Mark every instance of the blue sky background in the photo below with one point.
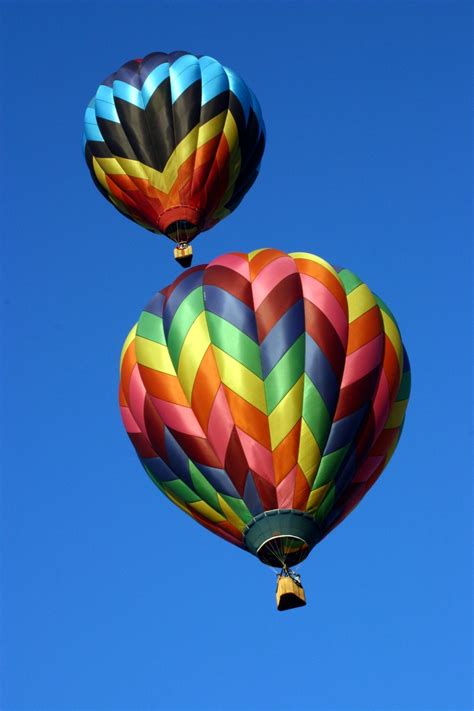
(112, 599)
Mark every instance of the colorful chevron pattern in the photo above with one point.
(174, 141)
(264, 382)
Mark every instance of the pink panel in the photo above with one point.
(128, 421)
(381, 406)
(367, 468)
(177, 417)
(286, 490)
(259, 458)
(325, 300)
(270, 276)
(237, 262)
(220, 425)
(136, 399)
(363, 360)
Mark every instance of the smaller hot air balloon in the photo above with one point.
(174, 141)
(264, 394)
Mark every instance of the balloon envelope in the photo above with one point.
(174, 141)
(265, 394)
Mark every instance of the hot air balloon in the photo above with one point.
(174, 141)
(264, 395)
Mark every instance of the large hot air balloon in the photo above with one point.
(265, 394)
(174, 141)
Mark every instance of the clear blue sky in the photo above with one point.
(114, 600)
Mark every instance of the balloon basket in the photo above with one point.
(289, 593)
(183, 255)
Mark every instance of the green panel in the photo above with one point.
(329, 466)
(326, 505)
(181, 491)
(349, 280)
(383, 307)
(183, 319)
(239, 507)
(151, 327)
(202, 487)
(315, 413)
(285, 374)
(234, 342)
(405, 386)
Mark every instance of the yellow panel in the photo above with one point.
(153, 355)
(314, 258)
(359, 301)
(230, 514)
(192, 352)
(253, 254)
(394, 335)
(164, 181)
(128, 340)
(286, 414)
(309, 454)
(397, 413)
(206, 511)
(317, 496)
(176, 501)
(240, 379)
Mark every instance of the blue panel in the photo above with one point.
(240, 90)
(231, 309)
(347, 473)
(192, 280)
(184, 72)
(129, 73)
(321, 374)
(153, 81)
(157, 468)
(214, 79)
(343, 431)
(150, 63)
(251, 497)
(178, 462)
(282, 336)
(128, 93)
(331, 517)
(219, 479)
(155, 306)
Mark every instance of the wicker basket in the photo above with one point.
(289, 594)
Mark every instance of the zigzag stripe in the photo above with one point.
(174, 138)
(264, 381)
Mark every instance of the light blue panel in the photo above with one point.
(89, 116)
(105, 93)
(153, 81)
(214, 79)
(240, 89)
(105, 109)
(92, 132)
(184, 72)
(124, 91)
(205, 61)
